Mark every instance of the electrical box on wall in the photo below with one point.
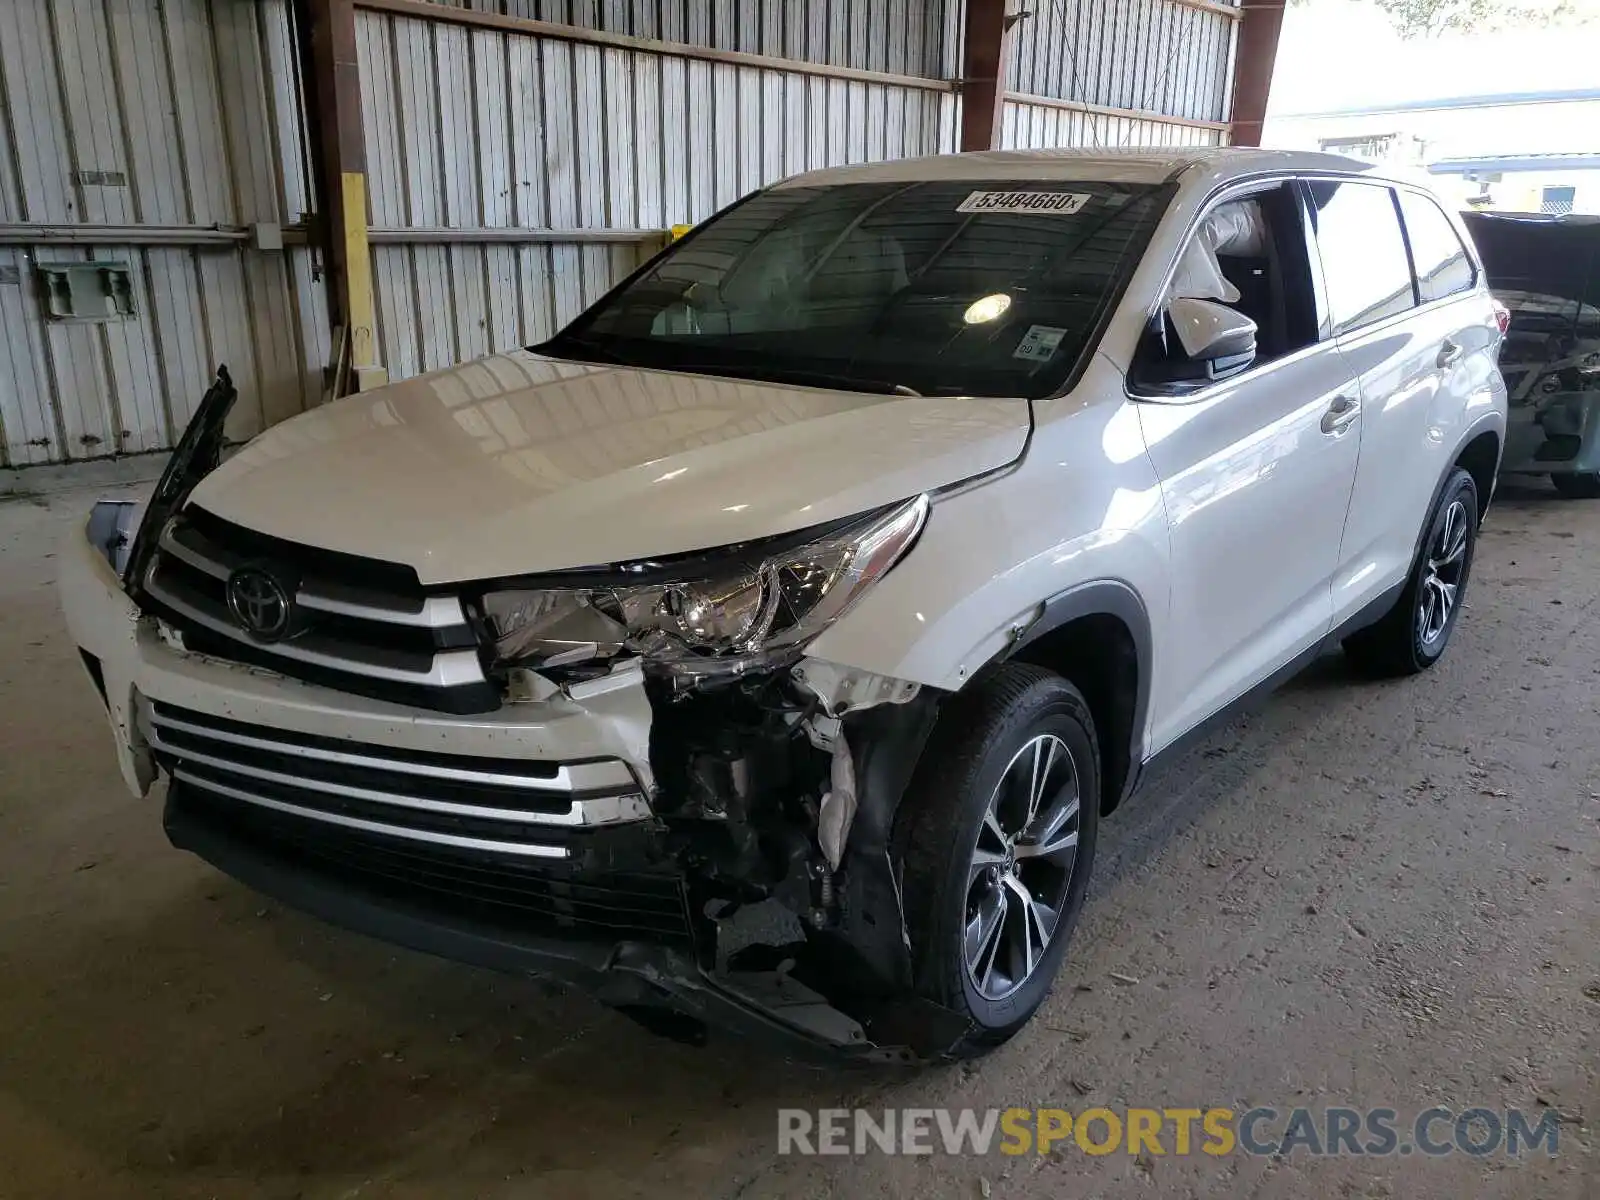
(89, 291)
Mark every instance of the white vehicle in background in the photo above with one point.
(764, 649)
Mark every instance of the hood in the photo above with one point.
(517, 464)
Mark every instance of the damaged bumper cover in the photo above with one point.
(678, 985)
(663, 986)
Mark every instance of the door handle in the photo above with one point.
(1344, 410)
(1449, 353)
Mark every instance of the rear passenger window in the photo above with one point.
(1363, 252)
(1441, 261)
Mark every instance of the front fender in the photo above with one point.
(1084, 506)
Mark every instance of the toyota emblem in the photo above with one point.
(259, 603)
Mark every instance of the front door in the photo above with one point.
(1256, 473)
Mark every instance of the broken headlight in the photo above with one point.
(704, 621)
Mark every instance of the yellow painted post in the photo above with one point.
(360, 312)
(334, 100)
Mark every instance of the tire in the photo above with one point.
(1412, 636)
(1578, 486)
(985, 737)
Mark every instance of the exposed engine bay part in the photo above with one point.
(781, 817)
(844, 689)
(113, 524)
(838, 807)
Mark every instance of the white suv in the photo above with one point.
(764, 649)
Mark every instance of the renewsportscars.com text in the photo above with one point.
(1433, 1132)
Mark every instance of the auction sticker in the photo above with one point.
(1039, 343)
(1045, 204)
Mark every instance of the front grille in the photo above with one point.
(549, 898)
(549, 845)
(360, 625)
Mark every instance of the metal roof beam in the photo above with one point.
(1260, 24)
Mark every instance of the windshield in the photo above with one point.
(989, 288)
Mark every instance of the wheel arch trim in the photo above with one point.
(1485, 424)
(1100, 598)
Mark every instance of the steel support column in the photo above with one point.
(334, 99)
(1256, 55)
(983, 65)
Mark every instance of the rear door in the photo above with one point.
(1420, 342)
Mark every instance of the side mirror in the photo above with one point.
(1217, 340)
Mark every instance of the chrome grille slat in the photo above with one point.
(602, 810)
(437, 612)
(451, 668)
(571, 797)
(567, 778)
(171, 545)
(519, 849)
(359, 625)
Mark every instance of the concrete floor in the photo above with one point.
(1363, 895)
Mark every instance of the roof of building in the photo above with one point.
(1461, 165)
(1472, 100)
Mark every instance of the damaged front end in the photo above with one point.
(739, 875)
(776, 775)
(779, 815)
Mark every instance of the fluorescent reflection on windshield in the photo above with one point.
(986, 309)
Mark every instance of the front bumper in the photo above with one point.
(609, 721)
(664, 981)
(663, 986)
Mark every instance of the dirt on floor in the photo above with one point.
(1363, 895)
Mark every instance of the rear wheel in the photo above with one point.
(1412, 636)
(996, 836)
(1583, 485)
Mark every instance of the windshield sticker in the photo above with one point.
(1039, 343)
(1048, 204)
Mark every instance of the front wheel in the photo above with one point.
(996, 836)
(1582, 485)
(1412, 636)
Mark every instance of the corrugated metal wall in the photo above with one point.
(1033, 126)
(482, 131)
(903, 37)
(179, 114)
(1145, 56)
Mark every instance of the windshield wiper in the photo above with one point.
(590, 350)
(586, 349)
(852, 383)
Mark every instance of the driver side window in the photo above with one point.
(1248, 254)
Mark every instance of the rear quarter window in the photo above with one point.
(1442, 264)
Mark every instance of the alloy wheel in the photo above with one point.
(1021, 867)
(1441, 579)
